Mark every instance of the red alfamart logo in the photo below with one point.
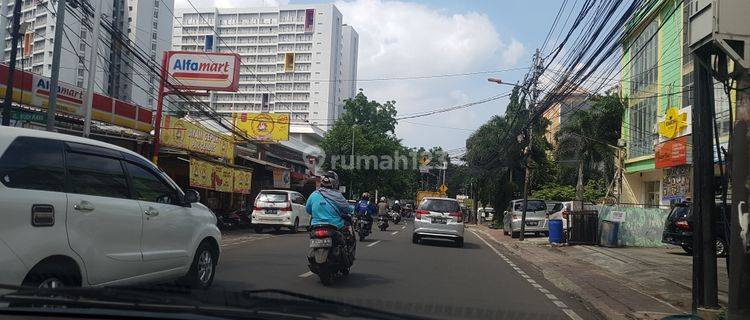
(189, 69)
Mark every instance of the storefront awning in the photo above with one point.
(263, 162)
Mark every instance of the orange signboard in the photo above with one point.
(671, 153)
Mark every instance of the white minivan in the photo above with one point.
(80, 212)
(280, 208)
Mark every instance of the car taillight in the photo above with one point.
(682, 225)
(287, 208)
(515, 216)
(321, 233)
(419, 213)
(456, 215)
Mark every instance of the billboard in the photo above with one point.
(203, 70)
(672, 153)
(183, 134)
(33, 90)
(270, 127)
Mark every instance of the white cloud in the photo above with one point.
(408, 39)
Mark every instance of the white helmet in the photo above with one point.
(396, 202)
(382, 198)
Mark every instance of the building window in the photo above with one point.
(651, 193)
(641, 123)
(644, 69)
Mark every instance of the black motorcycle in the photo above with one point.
(361, 226)
(331, 252)
(382, 222)
(396, 217)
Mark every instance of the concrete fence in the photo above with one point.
(642, 227)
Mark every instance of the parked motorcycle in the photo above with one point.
(226, 221)
(382, 222)
(331, 253)
(396, 217)
(361, 227)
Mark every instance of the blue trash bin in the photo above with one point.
(555, 231)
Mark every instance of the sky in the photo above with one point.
(437, 37)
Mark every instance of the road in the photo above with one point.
(432, 279)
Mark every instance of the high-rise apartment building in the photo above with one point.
(294, 57)
(146, 23)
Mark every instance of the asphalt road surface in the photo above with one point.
(433, 279)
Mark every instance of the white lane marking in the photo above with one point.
(374, 243)
(394, 233)
(404, 227)
(572, 314)
(306, 274)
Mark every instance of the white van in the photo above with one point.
(80, 212)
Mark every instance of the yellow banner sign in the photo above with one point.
(674, 122)
(183, 134)
(223, 178)
(270, 127)
(242, 181)
(201, 173)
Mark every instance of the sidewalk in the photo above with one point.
(620, 283)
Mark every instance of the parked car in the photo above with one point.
(536, 217)
(280, 208)
(438, 218)
(559, 210)
(485, 214)
(80, 212)
(678, 229)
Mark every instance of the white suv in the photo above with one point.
(79, 212)
(280, 208)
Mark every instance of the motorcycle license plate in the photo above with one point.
(271, 211)
(532, 223)
(439, 220)
(321, 243)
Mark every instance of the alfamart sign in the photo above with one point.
(203, 70)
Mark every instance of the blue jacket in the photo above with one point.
(365, 207)
(327, 206)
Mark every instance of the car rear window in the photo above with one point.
(440, 205)
(534, 205)
(679, 212)
(557, 207)
(272, 197)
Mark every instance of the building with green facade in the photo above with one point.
(657, 75)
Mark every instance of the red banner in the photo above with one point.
(33, 90)
(671, 153)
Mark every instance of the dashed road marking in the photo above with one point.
(306, 274)
(394, 233)
(569, 312)
(404, 227)
(374, 243)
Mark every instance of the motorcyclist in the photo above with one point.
(365, 209)
(327, 205)
(383, 207)
(396, 207)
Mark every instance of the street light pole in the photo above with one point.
(56, 48)
(12, 67)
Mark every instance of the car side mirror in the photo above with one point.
(192, 196)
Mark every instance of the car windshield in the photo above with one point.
(314, 159)
(440, 205)
(273, 197)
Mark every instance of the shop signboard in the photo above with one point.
(676, 122)
(676, 183)
(216, 71)
(242, 181)
(223, 178)
(33, 90)
(267, 127)
(671, 153)
(201, 173)
(281, 178)
(183, 134)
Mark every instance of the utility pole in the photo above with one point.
(56, 48)
(705, 294)
(527, 152)
(739, 244)
(7, 103)
(93, 57)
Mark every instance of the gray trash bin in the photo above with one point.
(610, 233)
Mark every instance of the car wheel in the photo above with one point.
(687, 249)
(51, 276)
(295, 227)
(515, 234)
(414, 239)
(258, 229)
(203, 268)
(721, 248)
(277, 228)
(460, 242)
